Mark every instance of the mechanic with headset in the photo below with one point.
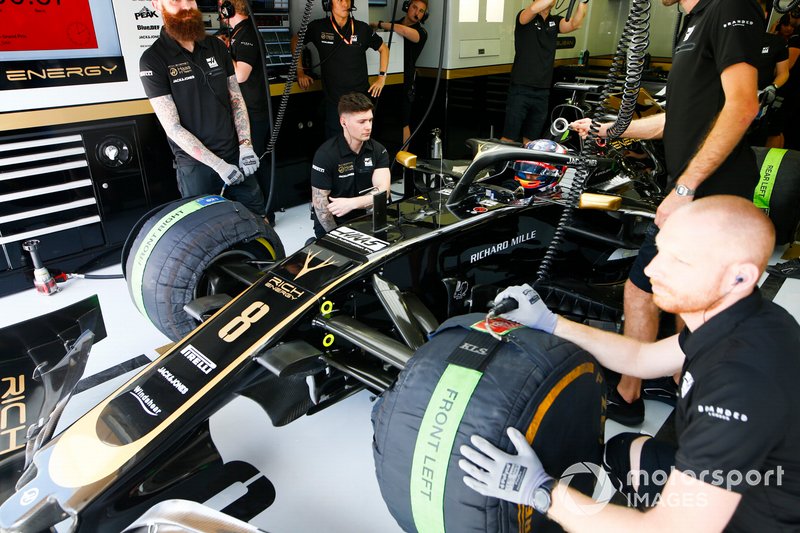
(414, 38)
(191, 83)
(249, 66)
(711, 102)
(535, 34)
(736, 465)
(349, 168)
(342, 43)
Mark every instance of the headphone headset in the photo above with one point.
(226, 10)
(327, 5)
(407, 4)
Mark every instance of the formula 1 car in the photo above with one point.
(342, 314)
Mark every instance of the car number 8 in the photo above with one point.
(234, 329)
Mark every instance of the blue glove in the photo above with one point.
(229, 173)
(531, 310)
(248, 160)
(492, 472)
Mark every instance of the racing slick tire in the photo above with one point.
(169, 251)
(778, 189)
(548, 388)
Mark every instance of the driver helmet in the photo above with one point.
(537, 176)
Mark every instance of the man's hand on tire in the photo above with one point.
(531, 310)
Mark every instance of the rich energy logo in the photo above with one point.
(60, 72)
(193, 355)
(13, 418)
(307, 266)
(284, 288)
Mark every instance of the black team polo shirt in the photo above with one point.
(346, 174)
(773, 51)
(535, 51)
(411, 51)
(344, 66)
(244, 47)
(198, 83)
(715, 35)
(739, 410)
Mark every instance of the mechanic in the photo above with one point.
(349, 168)
(414, 39)
(711, 102)
(190, 81)
(249, 66)
(342, 43)
(791, 91)
(736, 465)
(535, 34)
(773, 72)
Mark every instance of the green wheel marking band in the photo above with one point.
(769, 169)
(149, 243)
(435, 439)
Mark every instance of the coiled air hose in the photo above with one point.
(624, 76)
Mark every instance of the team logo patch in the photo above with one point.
(686, 384)
(345, 167)
(212, 62)
(367, 161)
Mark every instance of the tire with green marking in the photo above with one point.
(548, 388)
(778, 189)
(168, 258)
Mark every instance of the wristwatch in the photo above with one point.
(683, 190)
(542, 496)
(245, 142)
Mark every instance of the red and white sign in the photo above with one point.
(46, 25)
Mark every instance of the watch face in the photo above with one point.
(541, 500)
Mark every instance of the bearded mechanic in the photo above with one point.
(191, 83)
(736, 465)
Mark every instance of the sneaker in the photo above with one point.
(618, 410)
(663, 390)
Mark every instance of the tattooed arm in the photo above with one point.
(240, 118)
(319, 198)
(167, 113)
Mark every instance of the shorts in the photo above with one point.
(526, 112)
(194, 180)
(646, 254)
(655, 463)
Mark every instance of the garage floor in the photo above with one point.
(323, 474)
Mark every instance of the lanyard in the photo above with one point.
(352, 30)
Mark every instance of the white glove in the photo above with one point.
(229, 173)
(531, 310)
(768, 94)
(248, 160)
(513, 478)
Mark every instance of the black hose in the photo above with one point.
(630, 52)
(269, 195)
(435, 86)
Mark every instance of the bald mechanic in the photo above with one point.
(711, 102)
(736, 466)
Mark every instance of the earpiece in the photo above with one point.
(739, 279)
(407, 4)
(226, 10)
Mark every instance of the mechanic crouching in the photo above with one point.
(349, 168)
(736, 465)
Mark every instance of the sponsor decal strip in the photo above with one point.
(769, 169)
(435, 440)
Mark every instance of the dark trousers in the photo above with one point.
(194, 180)
(526, 112)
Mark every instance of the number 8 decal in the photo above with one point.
(234, 329)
